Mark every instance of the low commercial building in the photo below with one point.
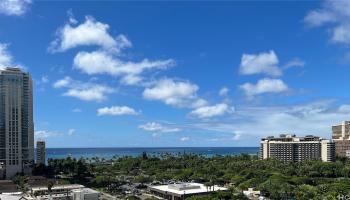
(289, 148)
(63, 192)
(85, 194)
(182, 190)
(14, 197)
(56, 189)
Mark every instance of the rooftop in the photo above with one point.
(86, 191)
(293, 138)
(186, 188)
(59, 187)
(14, 197)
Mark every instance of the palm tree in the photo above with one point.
(50, 185)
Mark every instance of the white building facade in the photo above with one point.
(16, 123)
(181, 191)
(289, 148)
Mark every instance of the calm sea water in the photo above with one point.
(108, 153)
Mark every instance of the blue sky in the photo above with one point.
(153, 74)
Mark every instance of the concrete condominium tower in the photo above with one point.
(40, 152)
(16, 123)
(341, 138)
(289, 148)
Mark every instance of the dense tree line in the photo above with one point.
(277, 180)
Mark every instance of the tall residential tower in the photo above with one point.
(16, 122)
(341, 138)
(40, 152)
(289, 148)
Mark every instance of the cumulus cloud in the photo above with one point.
(174, 93)
(5, 57)
(336, 14)
(14, 7)
(88, 33)
(158, 128)
(108, 57)
(265, 62)
(223, 91)
(65, 82)
(88, 91)
(116, 111)
(102, 62)
(265, 85)
(212, 111)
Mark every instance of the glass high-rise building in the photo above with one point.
(16, 123)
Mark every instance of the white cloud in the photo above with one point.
(65, 82)
(108, 58)
(41, 134)
(223, 91)
(237, 136)
(336, 14)
(77, 110)
(265, 62)
(102, 62)
(88, 91)
(71, 131)
(14, 7)
(344, 108)
(116, 111)
(5, 56)
(295, 62)
(212, 111)
(310, 118)
(265, 85)
(6, 59)
(174, 93)
(341, 34)
(91, 32)
(183, 139)
(158, 128)
(44, 79)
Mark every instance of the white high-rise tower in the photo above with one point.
(16, 122)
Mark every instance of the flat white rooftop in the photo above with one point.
(13, 197)
(59, 187)
(186, 188)
(86, 191)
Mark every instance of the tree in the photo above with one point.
(50, 185)
(22, 183)
(306, 192)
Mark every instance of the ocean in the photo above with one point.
(109, 153)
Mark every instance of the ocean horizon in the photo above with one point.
(110, 152)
